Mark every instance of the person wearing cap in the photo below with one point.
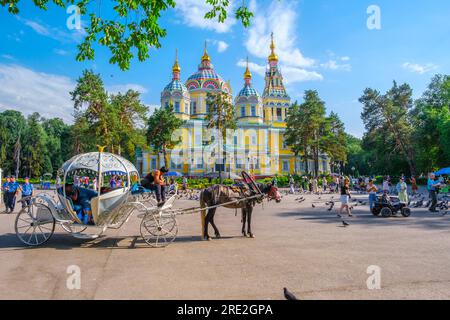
(27, 192)
(402, 190)
(160, 185)
(13, 188)
(5, 187)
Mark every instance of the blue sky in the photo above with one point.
(322, 44)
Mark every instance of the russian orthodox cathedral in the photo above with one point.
(257, 145)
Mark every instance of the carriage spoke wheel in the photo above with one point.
(159, 230)
(34, 224)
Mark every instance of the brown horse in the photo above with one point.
(219, 194)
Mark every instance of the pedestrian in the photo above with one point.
(5, 187)
(27, 192)
(292, 184)
(324, 184)
(13, 188)
(160, 185)
(385, 185)
(432, 187)
(314, 185)
(275, 181)
(402, 190)
(414, 187)
(372, 190)
(58, 181)
(113, 182)
(345, 196)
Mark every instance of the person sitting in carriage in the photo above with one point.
(81, 199)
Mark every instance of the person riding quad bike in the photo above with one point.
(388, 206)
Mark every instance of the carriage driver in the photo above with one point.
(81, 199)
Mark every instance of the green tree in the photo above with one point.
(297, 136)
(334, 139)
(431, 120)
(131, 119)
(221, 117)
(387, 121)
(133, 28)
(161, 127)
(12, 129)
(36, 159)
(92, 109)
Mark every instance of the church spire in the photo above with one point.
(247, 74)
(176, 67)
(273, 57)
(205, 56)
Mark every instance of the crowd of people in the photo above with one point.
(11, 189)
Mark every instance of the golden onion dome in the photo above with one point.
(176, 66)
(273, 56)
(247, 73)
(205, 56)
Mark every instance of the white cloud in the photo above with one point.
(61, 52)
(345, 58)
(294, 74)
(123, 88)
(193, 12)
(254, 67)
(418, 68)
(222, 46)
(29, 91)
(75, 35)
(8, 57)
(281, 18)
(335, 65)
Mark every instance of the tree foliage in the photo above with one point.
(134, 27)
(221, 116)
(161, 127)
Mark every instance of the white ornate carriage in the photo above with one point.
(111, 207)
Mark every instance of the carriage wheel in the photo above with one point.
(159, 230)
(34, 224)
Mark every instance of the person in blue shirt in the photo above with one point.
(5, 187)
(432, 186)
(13, 188)
(81, 199)
(27, 192)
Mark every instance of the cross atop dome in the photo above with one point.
(272, 57)
(205, 56)
(247, 74)
(176, 67)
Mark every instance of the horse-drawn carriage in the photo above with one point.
(105, 207)
(110, 208)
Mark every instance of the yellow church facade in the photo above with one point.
(257, 145)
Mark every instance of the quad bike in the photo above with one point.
(388, 206)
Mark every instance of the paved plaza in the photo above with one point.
(297, 246)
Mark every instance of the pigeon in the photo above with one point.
(313, 205)
(345, 224)
(427, 204)
(289, 295)
(331, 206)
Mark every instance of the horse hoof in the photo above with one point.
(218, 236)
(244, 234)
(251, 235)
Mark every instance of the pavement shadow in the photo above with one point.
(64, 241)
(418, 219)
